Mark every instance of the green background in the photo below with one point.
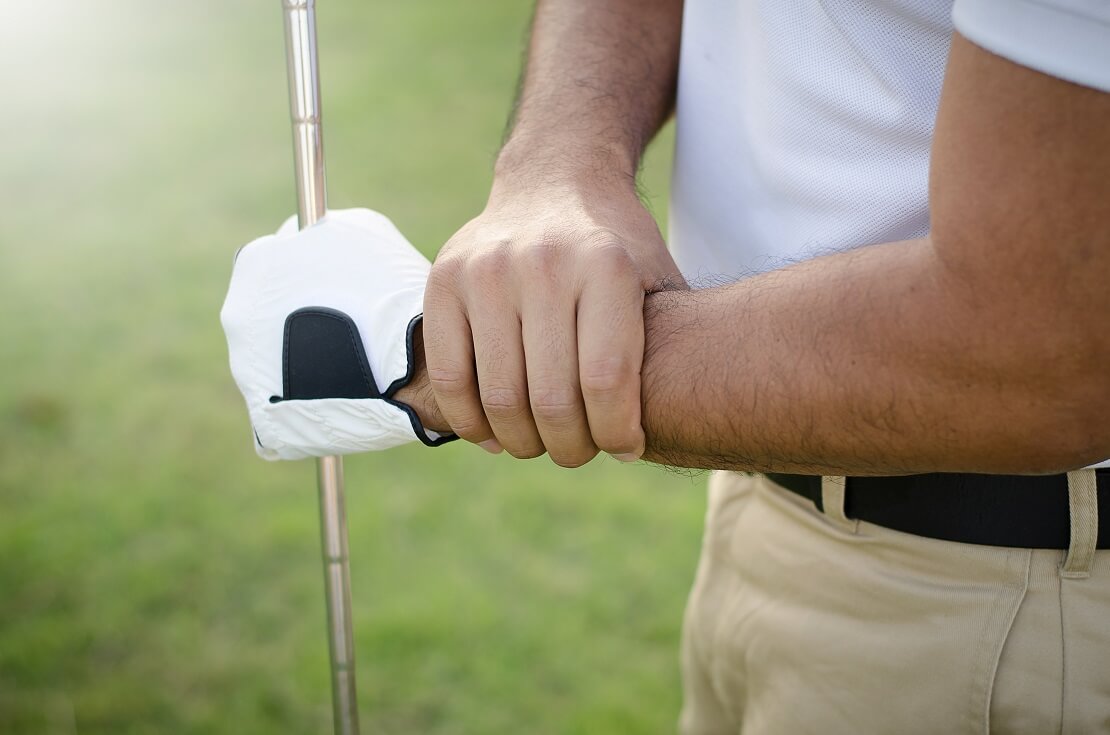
(155, 576)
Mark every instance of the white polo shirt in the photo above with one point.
(804, 126)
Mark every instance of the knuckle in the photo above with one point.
(601, 237)
(444, 273)
(606, 377)
(503, 404)
(617, 442)
(613, 256)
(555, 405)
(449, 382)
(542, 256)
(613, 262)
(491, 264)
(470, 428)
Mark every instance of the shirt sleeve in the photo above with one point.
(1069, 39)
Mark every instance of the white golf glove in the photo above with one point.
(319, 328)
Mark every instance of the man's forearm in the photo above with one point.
(599, 82)
(878, 360)
(982, 348)
(874, 361)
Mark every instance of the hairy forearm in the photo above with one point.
(874, 361)
(599, 82)
(981, 348)
(879, 360)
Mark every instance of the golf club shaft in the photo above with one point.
(308, 156)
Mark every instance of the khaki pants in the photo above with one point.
(801, 622)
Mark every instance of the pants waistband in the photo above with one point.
(995, 510)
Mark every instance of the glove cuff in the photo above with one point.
(426, 436)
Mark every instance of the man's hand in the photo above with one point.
(533, 320)
(533, 317)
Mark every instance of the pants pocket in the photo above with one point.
(814, 630)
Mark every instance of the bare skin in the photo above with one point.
(983, 347)
(533, 315)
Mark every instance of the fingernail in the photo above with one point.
(626, 457)
(491, 446)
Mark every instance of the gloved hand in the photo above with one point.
(319, 327)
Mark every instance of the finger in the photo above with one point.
(551, 360)
(610, 355)
(449, 352)
(502, 382)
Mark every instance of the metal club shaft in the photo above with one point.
(308, 159)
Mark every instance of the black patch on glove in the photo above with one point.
(323, 357)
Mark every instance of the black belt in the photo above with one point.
(995, 510)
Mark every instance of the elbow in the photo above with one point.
(1088, 432)
(1038, 345)
(1071, 447)
(1067, 427)
(1081, 393)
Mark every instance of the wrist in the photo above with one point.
(595, 167)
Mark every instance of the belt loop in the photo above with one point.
(832, 500)
(1083, 509)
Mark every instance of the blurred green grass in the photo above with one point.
(155, 577)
